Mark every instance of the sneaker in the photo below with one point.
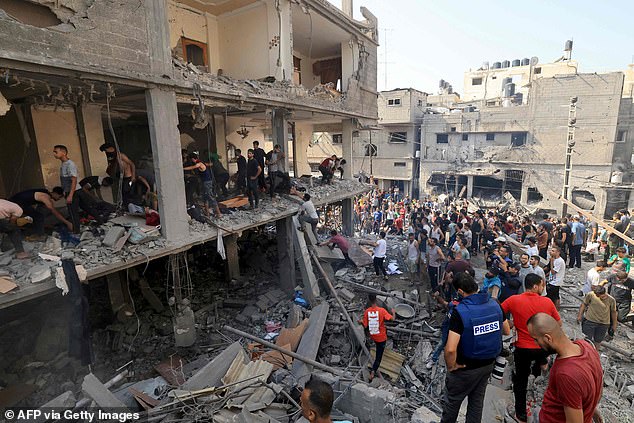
(429, 365)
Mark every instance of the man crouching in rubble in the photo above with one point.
(473, 343)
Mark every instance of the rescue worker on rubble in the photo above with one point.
(528, 357)
(38, 203)
(473, 343)
(374, 318)
(205, 175)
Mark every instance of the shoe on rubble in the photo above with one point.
(429, 365)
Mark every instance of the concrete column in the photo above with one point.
(347, 7)
(303, 137)
(168, 167)
(280, 132)
(524, 193)
(158, 37)
(470, 186)
(348, 129)
(349, 62)
(286, 254)
(220, 130)
(601, 204)
(233, 259)
(347, 216)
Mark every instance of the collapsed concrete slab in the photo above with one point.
(212, 373)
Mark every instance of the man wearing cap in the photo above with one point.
(529, 358)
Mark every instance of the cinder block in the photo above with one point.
(113, 236)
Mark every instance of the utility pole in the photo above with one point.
(385, 62)
(572, 120)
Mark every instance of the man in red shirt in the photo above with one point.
(529, 358)
(374, 318)
(337, 240)
(576, 378)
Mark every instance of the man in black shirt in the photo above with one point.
(254, 171)
(473, 343)
(259, 156)
(37, 203)
(621, 286)
(241, 175)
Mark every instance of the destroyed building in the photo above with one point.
(521, 147)
(161, 76)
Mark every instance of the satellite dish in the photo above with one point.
(534, 60)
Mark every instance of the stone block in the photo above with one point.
(424, 415)
(113, 236)
(368, 404)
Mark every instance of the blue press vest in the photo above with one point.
(482, 319)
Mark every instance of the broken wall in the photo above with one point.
(19, 163)
(93, 34)
(54, 127)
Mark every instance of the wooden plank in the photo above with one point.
(391, 363)
(99, 393)
(6, 285)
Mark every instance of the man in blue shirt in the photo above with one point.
(378, 215)
(578, 237)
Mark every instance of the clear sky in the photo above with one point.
(432, 39)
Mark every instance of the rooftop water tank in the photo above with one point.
(526, 61)
(506, 64)
(568, 46)
(516, 62)
(497, 65)
(441, 84)
(509, 90)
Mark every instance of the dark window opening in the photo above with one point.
(420, 103)
(370, 149)
(453, 129)
(537, 71)
(195, 52)
(400, 164)
(534, 195)
(476, 81)
(518, 139)
(621, 136)
(397, 137)
(337, 138)
(328, 70)
(297, 70)
(465, 137)
(442, 138)
(490, 136)
(394, 102)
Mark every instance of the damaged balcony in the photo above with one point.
(294, 53)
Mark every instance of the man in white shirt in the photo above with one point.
(594, 277)
(307, 210)
(532, 249)
(379, 253)
(537, 269)
(9, 214)
(555, 275)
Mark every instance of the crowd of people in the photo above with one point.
(526, 259)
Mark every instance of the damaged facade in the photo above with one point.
(522, 148)
(161, 76)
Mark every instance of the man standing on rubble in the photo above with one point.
(374, 318)
(379, 254)
(435, 259)
(121, 169)
(241, 175)
(473, 343)
(528, 357)
(254, 170)
(578, 231)
(275, 160)
(555, 275)
(259, 156)
(575, 384)
(413, 256)
(307, 211)
(621, 285)
(68, 176)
